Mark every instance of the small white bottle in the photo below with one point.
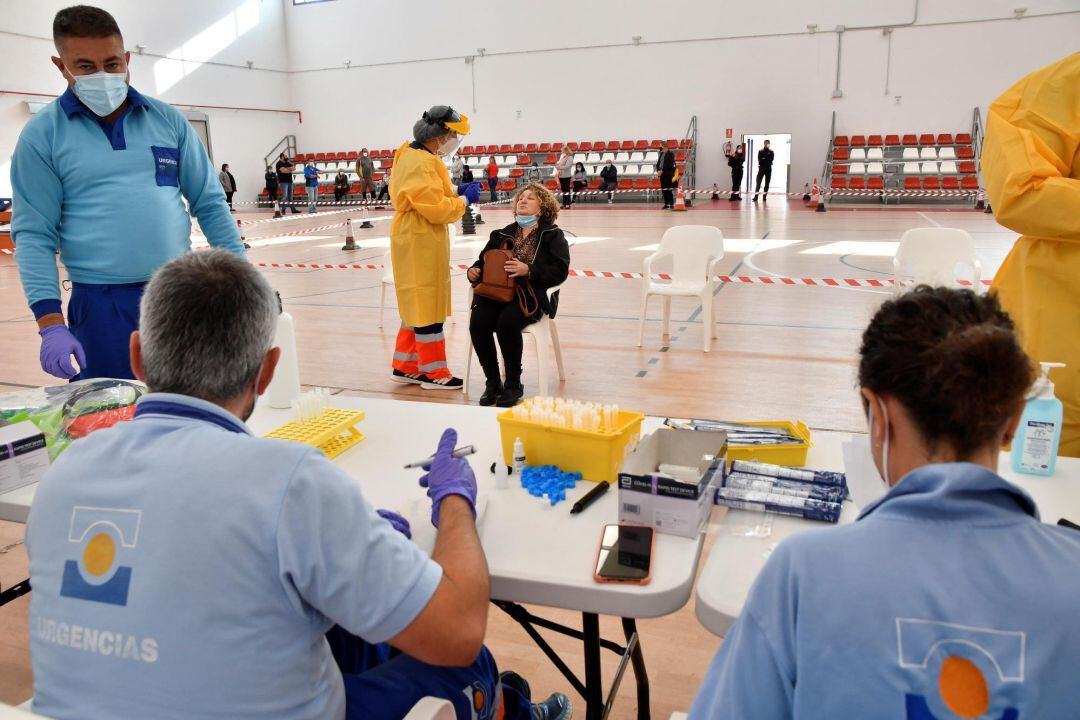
(1035, 447)
(285, 387)
(519, 457)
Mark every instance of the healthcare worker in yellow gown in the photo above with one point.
(1031, 168)
(426, 202)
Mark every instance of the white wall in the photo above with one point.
(221, 31)
(770, 82)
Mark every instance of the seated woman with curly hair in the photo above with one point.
(541, 261)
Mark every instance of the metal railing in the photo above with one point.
(286, 144)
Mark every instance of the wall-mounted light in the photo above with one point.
(812, 27)
(481, 51)
(897, 98)
(348, 63)
(886, 32)
(250, 63)
(636, 39)
(139, 49)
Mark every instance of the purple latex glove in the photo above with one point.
(471, 191)
(449, 476)
(57, 347)
(400, 524)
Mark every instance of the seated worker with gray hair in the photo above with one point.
(183, 567)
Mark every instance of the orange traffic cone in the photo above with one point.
(680, 200)
(350, 240)
(364, 216)
(277, 209)
(817, 202)
(240, 227)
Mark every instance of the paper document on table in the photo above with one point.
(864, 483)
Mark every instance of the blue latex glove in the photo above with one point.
(449, 476)
(471, 191)
(400, 524)
(57, 347)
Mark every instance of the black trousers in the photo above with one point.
(339, 193)
(667, 182)
(491, 319)
(564, 185)
(228, 198)
(736, 180)
(764, 171)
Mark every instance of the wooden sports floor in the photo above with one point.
(780, 352)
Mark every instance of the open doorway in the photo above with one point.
(780, 144)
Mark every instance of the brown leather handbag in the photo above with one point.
(495, 284)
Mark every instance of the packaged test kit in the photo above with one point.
(23, 455)
(667, 481)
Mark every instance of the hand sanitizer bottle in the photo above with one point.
(1035, 447)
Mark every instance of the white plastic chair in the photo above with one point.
(875, 154)
(696, 251)
(629, 170)
(623, 157)
(652, 156)
(594, 158)
(431, 708)
(857, 154)
(928, 153)
(947, 153)
(875, 168)
(504, 172)
(911, 153)
(929, 168)
(580, 157)
(857, 169)
(931, 256)
(546, 336)
(388, 277)
(609, 156)
(948, 167)
(637, 157)
(911, 168)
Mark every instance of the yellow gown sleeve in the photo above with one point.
(1029, 159)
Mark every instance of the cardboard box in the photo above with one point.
(23, 455)
(672, 506)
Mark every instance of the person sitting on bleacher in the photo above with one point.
(947, 597)
(184, 567)
(532, 174)
(610, 176)
(541, 262)
(581, 178)
(341, 185)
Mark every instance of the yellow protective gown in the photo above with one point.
(425, 202)
(1031, 168)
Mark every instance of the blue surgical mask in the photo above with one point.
(102, 92)
(527, 220)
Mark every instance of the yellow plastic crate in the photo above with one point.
(596, 455)
(791, 455)
(333, 431)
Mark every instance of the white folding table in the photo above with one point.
(536, 553)
(737, 556)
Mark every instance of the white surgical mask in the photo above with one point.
(450, 145)
(866, 483)
(102, 92)
(883, 473)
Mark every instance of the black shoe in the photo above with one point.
(764, 198)
(511, 394)
(448, 383)
(492, 391)
(406, 378)
(755, 197)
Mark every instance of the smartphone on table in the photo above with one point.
(625, 554)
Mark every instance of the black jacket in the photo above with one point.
(551, 266)
(466, 175)
(610, 173)
(271, 180)
(765, 157)
(665, 165)
(736, 161)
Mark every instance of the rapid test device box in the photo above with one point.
(23, 455)
(676, 503)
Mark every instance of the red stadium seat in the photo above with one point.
(969, 183)
(673, 144)
(931, 183)
(874, 140)
(377, 176)
(950, 183)
(504, 149)
(506, 185)
(841, 141)
(654, 184)
(858, 183)
(551, 159)
(467, 150)
(641, 184)
(680, 156)
(927, 139)
(944, 139)
(531, 148)
(641, 145)
(551, 184)
(839, 183)
(353, 155)
(544, 148)
(610, 145)
(481, 150)
(967, 167)
(625, 184)
(840, 170)
(524, 160)
(556, 147)
(342, 155)
(656, 144)
(582, 146)
(574, 147)
(892, 140)
(840, 154)
(626, 145)
(912, 183)
(594, 184)
(910, 139)
(963, 139)
(517, 172)
(965, 152)
(686, 143)
(320, 157)
(518, 148)
(265, 193)
(875, 183)
(858, 141)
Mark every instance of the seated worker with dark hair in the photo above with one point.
(947, 597)
(541, 261)
(185, 568)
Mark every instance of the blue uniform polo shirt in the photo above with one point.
(946, 599)
(109, 197)
(183, 568)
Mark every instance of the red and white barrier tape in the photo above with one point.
(5, 251)
(605, 274)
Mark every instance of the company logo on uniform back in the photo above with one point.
(103, 542)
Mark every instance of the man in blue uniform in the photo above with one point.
(100, 176)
